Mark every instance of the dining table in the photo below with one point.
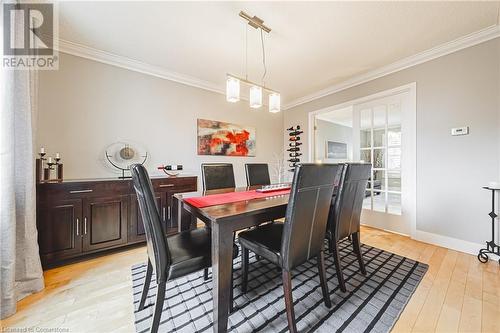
(226, 211)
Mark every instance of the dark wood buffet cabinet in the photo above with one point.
(79, 218)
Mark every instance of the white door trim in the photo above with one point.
(410, 145)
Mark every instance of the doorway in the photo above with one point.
(378, 129)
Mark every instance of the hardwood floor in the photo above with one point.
(457, 294)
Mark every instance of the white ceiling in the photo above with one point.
(313, 45)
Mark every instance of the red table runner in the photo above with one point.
(223, 198)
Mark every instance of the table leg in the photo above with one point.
(222, 260)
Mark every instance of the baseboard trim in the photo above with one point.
(448, 242)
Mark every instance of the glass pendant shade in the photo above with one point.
(255, 97)
(274, 102)
(232, 89)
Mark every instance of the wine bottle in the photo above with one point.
(294, 138)
(295, 154)
(294, 144)
(293, 149)
(294, 160)
(294, 133)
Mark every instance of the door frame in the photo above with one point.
(410, 142)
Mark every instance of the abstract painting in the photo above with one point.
(220, 138)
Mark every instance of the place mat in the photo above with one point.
(224, 198)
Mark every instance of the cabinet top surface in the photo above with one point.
(116, 179)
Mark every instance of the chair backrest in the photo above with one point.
(344, 217)
(307, 212)
(257, 174)
(157, 245)
(217, 175)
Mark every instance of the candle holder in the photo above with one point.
(44, 167)
(39, 167)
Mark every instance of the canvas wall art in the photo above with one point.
(220, 138)
(336, 150)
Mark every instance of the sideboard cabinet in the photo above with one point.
(79, 218)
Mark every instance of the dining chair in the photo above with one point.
(345, 212)
(257, 174)
(168, 257)
(217, 175)
(301, 236)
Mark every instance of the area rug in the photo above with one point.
(372, 303)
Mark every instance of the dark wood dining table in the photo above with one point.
(225, 220)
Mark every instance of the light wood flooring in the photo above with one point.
(457, 293)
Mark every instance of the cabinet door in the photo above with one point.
(105, 222)
(136, 231)
(59, 225)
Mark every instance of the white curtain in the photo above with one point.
(20, 269)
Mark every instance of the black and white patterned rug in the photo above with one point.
(372, 303)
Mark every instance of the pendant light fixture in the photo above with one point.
(232, 89)
(256, 90)
(255, 97)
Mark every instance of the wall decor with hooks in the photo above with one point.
(293, 148)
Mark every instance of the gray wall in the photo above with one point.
(455, 90)
(328, 131)
(86, 105)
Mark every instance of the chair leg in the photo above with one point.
(160, 298)
(287, 289)
(231, 293)
(145, 288)
(330, 244)
(338, 266)
(322, 279)
(356, 244)
(205, 274)
(244, 269)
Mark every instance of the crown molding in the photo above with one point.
(112, 59)
(458, 44)
(87, 52)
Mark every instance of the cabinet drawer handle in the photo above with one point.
(85, 225)
(80, 191)
(77, 227)
(169, 213)
(166, 185)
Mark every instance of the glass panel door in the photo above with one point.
(380, 143)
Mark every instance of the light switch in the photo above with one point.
(460, 131)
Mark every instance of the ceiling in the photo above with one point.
(312, 45)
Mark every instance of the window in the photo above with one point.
(380, 145)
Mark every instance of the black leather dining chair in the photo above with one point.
(257, 174)
(168, 257)
(217, 176)
(301, 236)
(345, 213)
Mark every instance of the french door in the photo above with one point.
(381, 131)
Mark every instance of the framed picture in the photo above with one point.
(336, 150)
(220, 138)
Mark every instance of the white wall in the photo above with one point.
(455, 90)
(85, 106)
(328, 131)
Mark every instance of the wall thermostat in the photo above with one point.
(460, 131)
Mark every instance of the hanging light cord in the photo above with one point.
(498, 14)
(246, 52)
(263, 57)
